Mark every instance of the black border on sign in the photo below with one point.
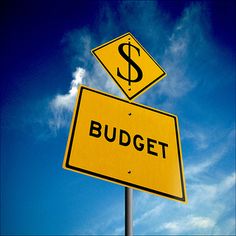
(67, 162)
(143, 89)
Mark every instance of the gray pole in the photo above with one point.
(128, 212)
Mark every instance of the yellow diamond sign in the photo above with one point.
(126, 143)
(129, 64)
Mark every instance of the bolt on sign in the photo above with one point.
(126, 143)
(129, 64)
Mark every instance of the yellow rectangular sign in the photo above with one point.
(126, 143)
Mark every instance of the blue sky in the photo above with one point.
(45, 55)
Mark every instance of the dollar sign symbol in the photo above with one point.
(130, 63)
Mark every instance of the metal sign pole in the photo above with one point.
(128, 211)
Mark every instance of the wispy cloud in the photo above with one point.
(180, 57)
(189, 33)
(190, 222)
(198, 137)
(214, 154)
(66, 101)
(79, 43)
(155, 212)
(62, 105)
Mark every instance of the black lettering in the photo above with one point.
(150, 145)
(140, 146)
(121, 141)
(113, 134)
(163, 148)
(95, 126)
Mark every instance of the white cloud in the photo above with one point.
(189, 222)
(212, 192)
(66, 101)
(179, 53)
(78, 76)
(154, 212)
(199, 137)
(199, 167)
(228, 183)
(62, 105)
(80, 43)
(185, 44)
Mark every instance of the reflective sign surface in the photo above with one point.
(129, 64)
(126, 143)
